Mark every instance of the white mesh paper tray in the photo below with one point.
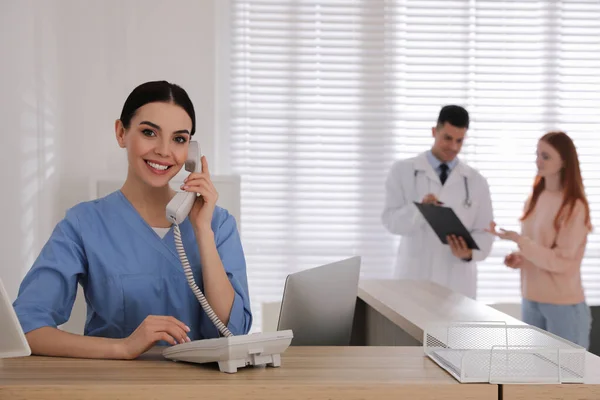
(495, 352)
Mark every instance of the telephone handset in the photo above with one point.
(180, 206)
(231, 352)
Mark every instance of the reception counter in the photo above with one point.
(396, 312)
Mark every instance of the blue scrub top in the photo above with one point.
(127, 272)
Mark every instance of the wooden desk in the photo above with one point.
(395, 312)
(307, 373)
(589, 390)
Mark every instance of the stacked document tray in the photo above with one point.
(500, 353)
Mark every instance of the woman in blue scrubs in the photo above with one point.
(121, 249)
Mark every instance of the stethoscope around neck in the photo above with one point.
(467, 203)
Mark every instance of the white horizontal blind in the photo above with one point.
(578, 111)
(535, 68)
(325, 95)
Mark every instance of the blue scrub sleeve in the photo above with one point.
(229, 247)
(48, 291)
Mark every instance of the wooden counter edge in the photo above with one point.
(275, 391)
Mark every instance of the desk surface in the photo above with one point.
(306, 373)
(590, 390)
(412, 305)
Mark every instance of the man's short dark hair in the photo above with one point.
(454, 115)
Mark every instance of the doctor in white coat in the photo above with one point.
(439, 177)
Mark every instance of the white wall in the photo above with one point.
(112, 46)
(67, 67)
(31, 119)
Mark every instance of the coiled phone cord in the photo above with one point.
(192, 283)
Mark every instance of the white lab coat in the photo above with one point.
(421, 255)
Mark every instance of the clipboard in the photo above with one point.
(444, 222)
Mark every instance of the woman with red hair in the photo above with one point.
(554, 230)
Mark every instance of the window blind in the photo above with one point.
(325, 95)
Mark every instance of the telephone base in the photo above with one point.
(231, 366)
(234, 352)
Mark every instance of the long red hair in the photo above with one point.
(570, 179)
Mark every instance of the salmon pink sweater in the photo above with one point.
(551, 269)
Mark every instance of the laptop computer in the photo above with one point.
(12, 339)
(318, 304)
